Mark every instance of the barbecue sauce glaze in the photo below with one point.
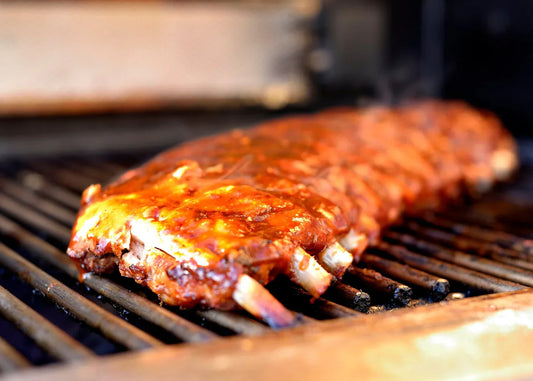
(189, 222)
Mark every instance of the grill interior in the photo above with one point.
(48, 316)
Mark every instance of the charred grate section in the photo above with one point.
(47, 315)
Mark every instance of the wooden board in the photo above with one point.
(487, 337)
(81, 56)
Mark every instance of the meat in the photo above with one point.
(210, 222)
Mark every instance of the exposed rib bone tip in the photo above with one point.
(503, 163)
(256, 299)
(335, 259)
(307, 272)
(353, 242)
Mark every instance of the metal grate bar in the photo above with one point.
(502, 255)
(67, 169)
(40, 184)
(111, 168)
(333, 310)
(88, 171)
(178, 326)
(10, 358)
(465, 244)
(500, 238)
(388, 271)
(437, 288)
(237, 323)
(455, 296)
(48, 207)
(470, 218)
(474, 262)
(224, 319)
(488, 220)
(510, 257)
(88, 312)
(141, 306)
(173, 323)
(33, 218)
(348, 296)
(320, 308)
(372, 280)
(45, 334)
(520, 263)
(64, 177)
(470, 278)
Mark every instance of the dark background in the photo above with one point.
(361, 52)
(389, 51)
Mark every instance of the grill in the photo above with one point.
(47, 316)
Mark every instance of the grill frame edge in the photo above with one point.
(487, 336)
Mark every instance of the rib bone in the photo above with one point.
(256, 299)
(503, 163)
(354, 243)
(307, 272)
(335, 259)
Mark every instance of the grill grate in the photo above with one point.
(429, 258)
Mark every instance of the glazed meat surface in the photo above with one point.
(208, 222)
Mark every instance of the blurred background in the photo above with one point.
(86, 77)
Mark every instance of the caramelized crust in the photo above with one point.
(193, 220)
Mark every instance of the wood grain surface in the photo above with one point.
(71, 57)
(479, 338)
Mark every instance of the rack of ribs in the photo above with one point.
(212, 221)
